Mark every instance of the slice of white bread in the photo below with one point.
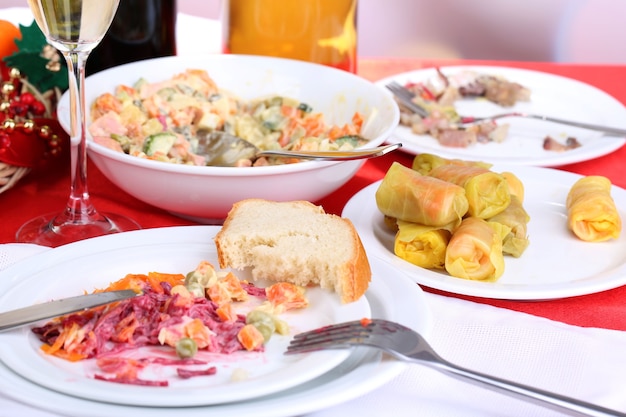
(297, 242)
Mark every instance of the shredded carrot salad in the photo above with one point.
(180, 313)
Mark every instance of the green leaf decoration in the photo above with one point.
(33, 39)
(32, 64)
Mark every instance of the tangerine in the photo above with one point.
(9, 32)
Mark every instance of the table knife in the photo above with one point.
(31, 314)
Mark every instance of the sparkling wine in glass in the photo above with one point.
(74, 27)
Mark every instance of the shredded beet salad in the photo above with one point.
(181, 313)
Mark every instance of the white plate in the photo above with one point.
(551, 95)
(267, 372)
(555, 265)
(391, 295)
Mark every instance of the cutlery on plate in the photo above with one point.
(408, 345)
(34, 313)
(406, 98)
(223, 149)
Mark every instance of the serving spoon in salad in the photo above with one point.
(223, 149)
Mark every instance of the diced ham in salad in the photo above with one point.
(177, 313)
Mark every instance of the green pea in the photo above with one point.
(196, 289)
(264, 322)
(196, 277)
(186, 348)
(259, 316)
(266, 330)
(191, 277)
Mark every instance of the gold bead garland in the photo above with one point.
(13, 122)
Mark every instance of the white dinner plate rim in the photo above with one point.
(412, 145)
(362, 211)
(361, 366)
(269, 372)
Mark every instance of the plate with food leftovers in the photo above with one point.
(393, 298)
(448, 93)
(206, 335)
(533, 249)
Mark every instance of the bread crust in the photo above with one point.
(353, 277)
(356, 280)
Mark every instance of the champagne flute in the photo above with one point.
(74, 27)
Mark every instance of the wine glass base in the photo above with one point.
(46, 230)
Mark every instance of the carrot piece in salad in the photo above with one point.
(63, 354)
(105, 103)
(287, 132)
(156, 278)
(250, 337)
(226, 313)
(219, 294)
(314, 124)
(347, 129)
(130, 281)
(58, 348)
(137, 282)
(197, 331)
(125, 90)
(233, 286)
(286, 296)
(228, 288)
(357, 120)
(290, 111)
(125, 329)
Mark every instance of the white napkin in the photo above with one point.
(583, 363)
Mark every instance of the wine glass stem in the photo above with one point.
(79, 208)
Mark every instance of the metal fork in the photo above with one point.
(406, 98)
(407, 345)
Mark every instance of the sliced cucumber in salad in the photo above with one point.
(159, 143)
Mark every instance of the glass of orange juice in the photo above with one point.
(321, 31)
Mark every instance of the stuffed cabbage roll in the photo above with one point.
(516, 186)
(487, 192)
(407, 195)
(591, 211)
(426, 162)
(516, 218)
(475, 251)
(421, 245)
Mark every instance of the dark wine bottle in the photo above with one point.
(141, 29)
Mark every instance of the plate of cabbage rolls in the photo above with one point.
(496, 231)
(447, 93)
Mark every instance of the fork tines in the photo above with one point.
(340, 335)
(397, 87)
(400, 91)
(406, 98)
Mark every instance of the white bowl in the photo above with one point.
(206, 194)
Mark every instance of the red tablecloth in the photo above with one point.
(42, 192)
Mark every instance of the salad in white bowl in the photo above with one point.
(206, 193)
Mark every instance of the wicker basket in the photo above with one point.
(10, 175)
